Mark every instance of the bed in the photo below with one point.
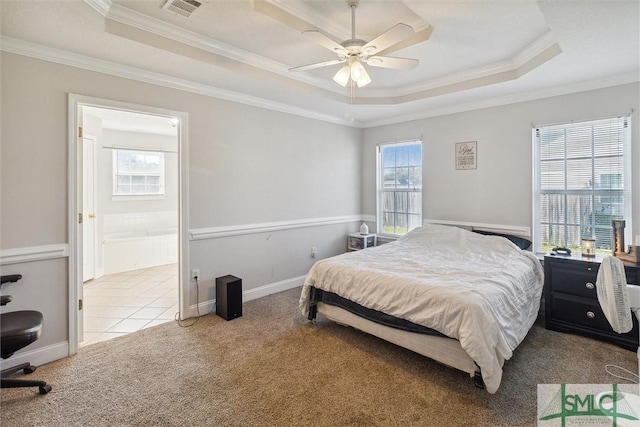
(462, 298)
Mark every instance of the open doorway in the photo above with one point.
(129, 196)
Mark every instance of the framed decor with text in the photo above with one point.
(466, 155)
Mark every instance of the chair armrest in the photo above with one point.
(5, 299)
(10, 278)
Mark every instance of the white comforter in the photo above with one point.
(481, 290)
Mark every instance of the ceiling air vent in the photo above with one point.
(182, 7)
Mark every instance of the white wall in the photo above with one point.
(246, 166)
(499, 191)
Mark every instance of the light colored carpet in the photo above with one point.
(271, 367)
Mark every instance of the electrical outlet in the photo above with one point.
(314, 252)
(195, 274)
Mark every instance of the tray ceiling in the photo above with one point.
(471, 52)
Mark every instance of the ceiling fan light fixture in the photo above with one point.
(355, 52)
(364, 80)
(342, 76)
(359, 74)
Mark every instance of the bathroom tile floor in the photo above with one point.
(119, 304)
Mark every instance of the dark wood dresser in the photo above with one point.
(571, 303)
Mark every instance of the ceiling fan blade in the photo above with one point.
(317, 65)
(394, 35)
(391, 62)
(325, 41)
(417, 37)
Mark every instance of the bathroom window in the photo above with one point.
(138, 173)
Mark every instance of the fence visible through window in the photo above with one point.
(400, 187)
(581, 182)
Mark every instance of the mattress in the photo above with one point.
(483, 291)
(437, 347)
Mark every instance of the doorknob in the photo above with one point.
(92, 215)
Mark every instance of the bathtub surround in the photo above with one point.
(133, 232)
(138, 240)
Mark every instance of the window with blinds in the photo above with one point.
(582, 182)
(399, 187)
(138, 173)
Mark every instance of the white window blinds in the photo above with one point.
(582, 182)
(138, 173)
(399, 187)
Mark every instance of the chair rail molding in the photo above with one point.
(33, 253)
(238, 230)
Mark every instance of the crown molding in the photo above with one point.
(532, 95)
(303, 13)
(101, 6)
(295, 16)
(532, 56)
(161, 28)
(33, 50)
(300, 16)
(58, 56)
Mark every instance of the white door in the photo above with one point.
(88, 208)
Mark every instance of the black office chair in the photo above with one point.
(18, 329)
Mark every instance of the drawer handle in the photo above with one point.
(589, 285)
(591, 314)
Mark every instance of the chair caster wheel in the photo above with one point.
(30, 369)
(45, 389)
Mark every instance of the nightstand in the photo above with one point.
(357, 241)
(571, 302)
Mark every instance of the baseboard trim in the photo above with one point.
(272, 288)
(39, 356)
(33, 253)
(60, 350)
(249, 295)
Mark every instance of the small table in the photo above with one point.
(357, 241)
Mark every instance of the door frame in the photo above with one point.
(93, 209)
(75, 103)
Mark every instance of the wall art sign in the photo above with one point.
(466, 155)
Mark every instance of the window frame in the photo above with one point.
(133, 196)
(625, 193)
(380, 188)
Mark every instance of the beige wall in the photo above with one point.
(246, 165)
(249, 165)
(500, 190)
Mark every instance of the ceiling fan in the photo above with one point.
(354, 52)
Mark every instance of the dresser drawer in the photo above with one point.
(584, 313)
(571, 301)
(633, 274)
(580, 312)
(574, 281)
